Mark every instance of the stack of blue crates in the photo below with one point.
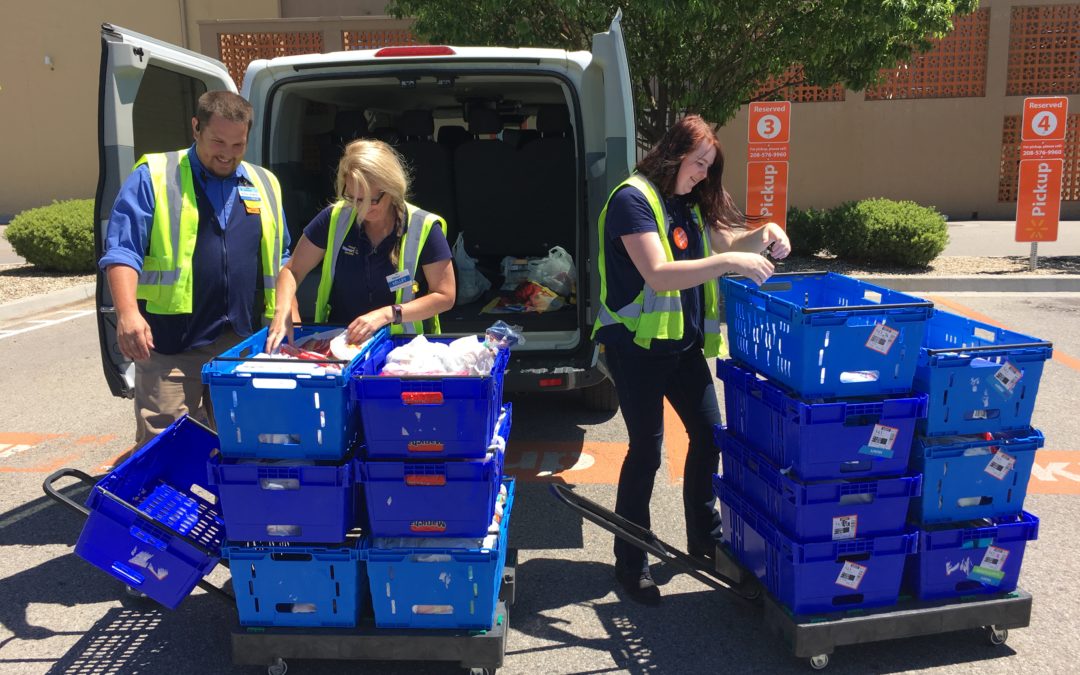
(287, 480)
(976, 449)
(821, 416)
(431, 468)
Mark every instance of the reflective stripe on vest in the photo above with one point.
(651, 314)
(419, 227)
(166, 282)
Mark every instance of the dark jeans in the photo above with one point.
(643, 380)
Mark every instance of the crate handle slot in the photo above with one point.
(433, 609)
(775, 286)
(861, 498)
(422, 397)
(855, 466)
(872, 296)
(127, 574)
(278, 439)
(425, 479)
(147, 538)
(965, 502)
(291, 557)
(853, 557)
(852, 599)
(426, 446)
(296, 607)
(268, 383)
(984, 334)
(279, 483)
(859, 376)
(284, 531)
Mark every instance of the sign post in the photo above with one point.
(1042, 158)
(767, 161)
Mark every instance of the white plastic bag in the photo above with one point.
(556, 271)
(471, 284)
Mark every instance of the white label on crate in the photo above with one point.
(844, 527)
(882, 439)
(1000, 465)
(994, 558)
(851, 575)
(882, 338)
(1006, 377)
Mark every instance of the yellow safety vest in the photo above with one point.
(654, 314)
(419, 224)
(166, 280)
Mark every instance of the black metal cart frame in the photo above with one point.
(816, 637)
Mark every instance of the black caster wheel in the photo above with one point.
(819, 662)
(278, 667)
(997, 636)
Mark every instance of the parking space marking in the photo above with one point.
(37, 324)
(1061, 357)
(1055, 472)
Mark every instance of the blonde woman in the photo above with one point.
(384, 260)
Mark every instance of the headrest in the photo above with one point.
(416, 123)
(453, 134)
(552, 119)
(484, 121)
(350, 124)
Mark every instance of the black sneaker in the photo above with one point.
(639, 586)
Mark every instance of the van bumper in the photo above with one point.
(526, 373)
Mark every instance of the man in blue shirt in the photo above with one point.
(190, 281)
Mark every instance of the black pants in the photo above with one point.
(643, 380)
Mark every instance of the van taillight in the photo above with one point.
(419, 50)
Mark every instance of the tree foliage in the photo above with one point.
(705, 56)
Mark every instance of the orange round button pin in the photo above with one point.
(681, 240)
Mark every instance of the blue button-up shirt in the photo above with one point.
(127, 237)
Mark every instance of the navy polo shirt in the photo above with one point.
(360, 284)
(628, 212)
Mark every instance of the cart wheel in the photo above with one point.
(997, 636)
(481, 671)
(278, 667)
(819, 662)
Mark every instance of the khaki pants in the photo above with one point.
(168, 386)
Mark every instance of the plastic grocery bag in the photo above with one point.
(556, 271)
(471, 284)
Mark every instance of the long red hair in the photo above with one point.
(661, 166)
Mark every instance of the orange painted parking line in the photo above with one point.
(676, 443)
(1055, 472)
(43, 468)
(573, 462)
(1064, 359)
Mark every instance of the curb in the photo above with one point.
(1015, 283)
(36, 304)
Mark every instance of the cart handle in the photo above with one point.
(645, 540)
(47, 486)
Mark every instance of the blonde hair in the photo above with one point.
(376, 167)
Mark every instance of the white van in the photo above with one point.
(517, 148)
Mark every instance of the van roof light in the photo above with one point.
(416, 50)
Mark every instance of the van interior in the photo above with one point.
(496, 155)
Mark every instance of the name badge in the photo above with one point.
(398, 280)
(248, 193)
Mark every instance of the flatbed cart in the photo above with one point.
(816, 637)
(479, 652)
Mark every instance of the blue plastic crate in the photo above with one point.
(813, 578)
(452, 498)
(870, 436)
(282, 415)
(970, 558)
(979, 377)
(423, 416)
(154, 521)
(826, 335)
(290, 585)
(967, 477)
(414, 587)
(275, 502)
(835, 510)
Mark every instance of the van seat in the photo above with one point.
(487, 210)
(545, 182)
(430, 164)
(453, 135)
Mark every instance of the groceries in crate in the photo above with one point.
(318, 350)
(465, 356)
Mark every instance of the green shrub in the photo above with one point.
(806, 229)
(58, 237)
(886, 231)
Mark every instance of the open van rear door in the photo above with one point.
(609, 51)
(147, 94)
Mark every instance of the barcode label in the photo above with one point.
(883, 437)
(1000, 465)
(851, 575)
(1007, 376)
(994, 558)
(882, 338)
(844, 527)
